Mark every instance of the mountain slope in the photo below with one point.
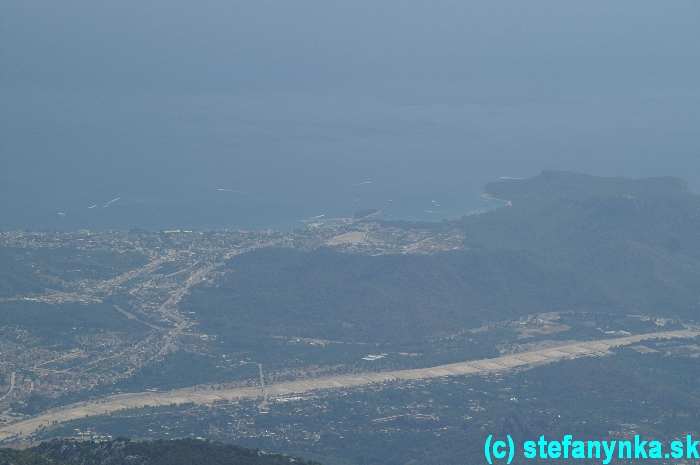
(120, 452)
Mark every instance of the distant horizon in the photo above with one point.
(299, 104)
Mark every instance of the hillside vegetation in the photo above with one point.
(566, 242)
(120, 452)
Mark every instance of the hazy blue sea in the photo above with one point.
(265, 160)
(298, 109)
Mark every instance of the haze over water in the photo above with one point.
(256, 114)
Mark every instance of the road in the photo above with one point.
(207, 396)
(13, 377)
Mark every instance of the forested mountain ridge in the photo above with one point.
(121, 452)
(632, 243)
(563, 242)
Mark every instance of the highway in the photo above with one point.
(204, 395)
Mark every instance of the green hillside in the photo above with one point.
(120, 452)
